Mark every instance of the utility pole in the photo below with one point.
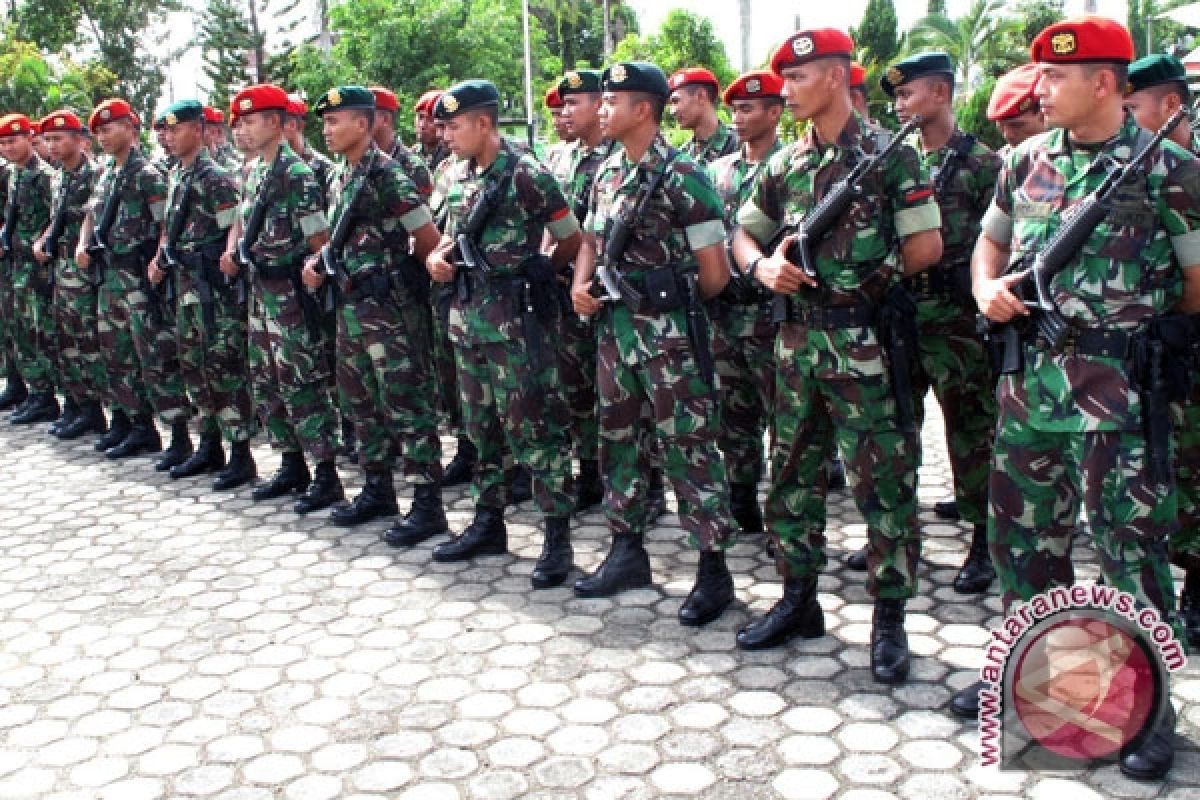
(745, 9)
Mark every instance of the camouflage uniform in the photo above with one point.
(1070, 424)
(227, 157)
(433, 158)
(832, 384)
(508, 397)
(413, 167)
(288, 362)
(80, 364)
(210, 322)
(648, 381)
(321, 166)
(450, 400)
(722, 143)
(30, 188)
(384, 372)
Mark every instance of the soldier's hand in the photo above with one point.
(154, 272)
(439, 268)
(780, 275)
(38, 255)
(82, 258)
(995, 298)
(312, 277)
(585, 305)
(228, 265)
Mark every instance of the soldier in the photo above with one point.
(655, 381)
(15, 392)
(218, 148)
(1071, 427)
(1157, 89)
(26, 215)
(559, 152)
(832, 382)
(288, 360)
(319, 163)
(951, 358)
(137, 327)
(210, 318)
(1014, 107)
(502, 322)
(386, 108)
(694, 95)
(858, 90)
(164, 161)
(745, 345)
(431, 146)
(79, 363)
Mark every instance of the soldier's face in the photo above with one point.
(686, 106)
(616, 114)
(427, 129)
(260, 129)
(807, 87)
(916, 97)
(182, 139)
(581, 113)
(16, 149)
(344, 130)
(40, 147)
(1069, 93)
(1148, 108)
(63, 146)
(561, 129)
(115, 136)
(465, 135)
(858, 99)
(753, 119)
(214, 135)
(1021, 127)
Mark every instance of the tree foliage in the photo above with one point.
(876, 37)
(31, 83)
(226, 38)
(984, 40)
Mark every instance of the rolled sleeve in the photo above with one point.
(563, 227)
(757, 223)
(158, 210)
(997, 225)
(416, 219)
(1187, 248)
(925, 217)
(705, 234)
(312, 224)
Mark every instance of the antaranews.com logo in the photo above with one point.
(1075, 674)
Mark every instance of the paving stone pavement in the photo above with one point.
(159, 640)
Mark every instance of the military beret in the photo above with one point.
(260, 97)
(466, 96)
(214, 116)
(805, 46)
(36, 126)
(385, 99)
(1083, 40)
(13, 124)
(111, 109)
(858, 75)
(1013, 94)
(296, 106)
(1155, 70)
(693, 76)
(754, 85)
(553, 98)
(635, 76)
(341, 98)
(63, 120)
(427, 101)
(183, 111)
(581, 80)
(913, 67)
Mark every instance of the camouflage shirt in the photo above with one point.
(30, 188)
(722, 143)
(1126, 272)
(211, 209)
(140, 205)
(296, 212)
(558, 159)
(433, 158)
(413, 167)
(441, 189)
(321, 166)
(227, 157)
(963, 194)
(76, 189)
(579, 173)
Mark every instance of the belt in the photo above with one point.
(374, 283)
(276, 272)
(934, 281)
(1102, 342)
(827, 318)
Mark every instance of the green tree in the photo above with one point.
(972, 115)
(575, 28)
(935, 7)
(685, 40)
(981, 41)
(1036, 16)
(877, 35)
(226, 40)
(31, 84)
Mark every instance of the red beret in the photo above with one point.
(858, 75)
(553, 98)
(753, 85)
(805, 46)
(1083, 40)
(693, 75)
(385, 99)
(260, 97)
(109, 110)
(63, 120)
(296, 107)
(12, 124)
(213, 116)
(1013, 94)
(427, 101)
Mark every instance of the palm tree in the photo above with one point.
(981, 39)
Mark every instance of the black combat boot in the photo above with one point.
(712, 593)
(977, 572)
(656, 496)
(40, 407)
(836, 473)
(520, 488)
(797, 614)
(590, 488)
(209, 457)
(946, 509)
(857, 560)
(425, 518)
(1150, 756)
(1189, 606)
(627, 566)
(487, 535)
(116, 433)
(292, 476)
(15, 392)
(70, 413)
(889, 642)
(965, 702)
(743, 503)
(325, 490)
(178, 450)
(89, 420)
(462, 467)
(240, 470)
(143, 438)
(377, 499)
(554, 564)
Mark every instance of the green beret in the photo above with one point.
(636, 76)
(1154, 70)
(579, 81)
(466, 96)
(918, 66)
(341, 98)
(183, 111)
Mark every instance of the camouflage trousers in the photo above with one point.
(1039, 480)
(660, 399)
(157, 347)
(33, 326)
(514, 410)
(445, 365)
(213, 361)
(744, 352)
(80, 365)
(951, 360)
(8, 307)
(116, 304)
(1185, 542)
(823, 397)
(387, 386)
(290, 370)
(577, 368)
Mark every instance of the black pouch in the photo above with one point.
(663, 291)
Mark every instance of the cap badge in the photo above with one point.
(1063, 44)
(753, 86)
(450, 103)
(335, 97)
(618, 74)
(574, 80)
